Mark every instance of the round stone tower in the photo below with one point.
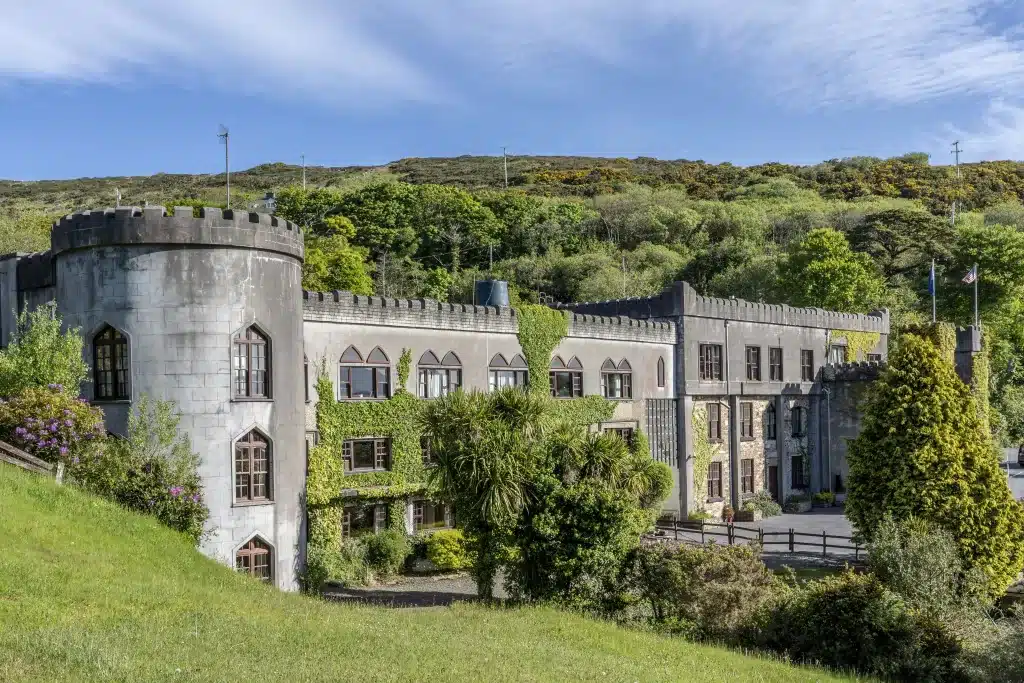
(204, 310)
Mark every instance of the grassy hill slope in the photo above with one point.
(91, 592)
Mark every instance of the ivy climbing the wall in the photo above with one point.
(703, 452)
(540, 330)
(858, 344)
(942, 335)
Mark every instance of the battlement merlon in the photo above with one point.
(356, 309)
(680, 299)
(853, 371)
(152, 225)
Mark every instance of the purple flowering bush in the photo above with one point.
(52, 425)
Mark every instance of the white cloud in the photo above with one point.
(998, 135)
(804, 52)
(312, 48)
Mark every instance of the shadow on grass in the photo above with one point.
(399, 598)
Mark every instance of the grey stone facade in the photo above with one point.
(181, 288)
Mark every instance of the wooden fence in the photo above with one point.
(15, 456)
(794, 541)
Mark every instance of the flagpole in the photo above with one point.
(977, 275)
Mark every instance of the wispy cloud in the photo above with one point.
(318, 49)
(803, 52)
(998, 135)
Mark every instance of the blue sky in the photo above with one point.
(127, 87)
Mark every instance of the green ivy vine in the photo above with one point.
(858, 344)
(403, 366)
(942, 335)
(703, 452)
(540, 330)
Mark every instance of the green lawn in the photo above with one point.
(91, 592)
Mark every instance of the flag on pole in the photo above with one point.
(931, 280)
(971, 276)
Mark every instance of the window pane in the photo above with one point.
(363, 455)
(241, 368)
(362, 382)
(383, 382)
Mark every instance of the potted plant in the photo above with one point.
(748, 513)
(728, 513)
(797, 503)
(823, 499)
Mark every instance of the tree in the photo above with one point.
(311, 209)
(384, 218)
(923, 452)
(999, 252)
(40, 354)
(455, 227)
(822, 271)
(902, 241)
(437, 285)
(332, 264)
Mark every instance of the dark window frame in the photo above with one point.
(775, 363)
(253, 457)
(625, 433)
(247, 559)
(714, 484)
(874, 358)
(771, 423)
(419, 515)
(661, 372)
(714, 413)
(380, 378)
(250, 382)
(382, 454)
(832, 351)
(797, 420)
(796, 464)
(806, 365)
(377, 514)
(746, 475)
(709, 361)
(111, 365)
(622, 380)
(746, 421)
(753, 358)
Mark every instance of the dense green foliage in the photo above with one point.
(557, 507)
(91, 592)
(53, 425)
(40, 354)
(448, 550)
(924, 452)
(852, 621)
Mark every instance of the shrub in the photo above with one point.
(793, 501)
(448, 550)
(386, 552)
(40, 355)
(826, 497)
(153, 470)
(51, 424)
(763, 501)
(852, 621)
(924, 452)
(698, 515)
(704, 592)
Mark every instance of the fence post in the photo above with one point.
(59, 474)
(824, 544)
(675, 529)
(730, 532)
(790, 540)
(760, 537)
(856, 550)
(702, 531)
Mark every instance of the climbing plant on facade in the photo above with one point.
(540, 330)
(703, 452)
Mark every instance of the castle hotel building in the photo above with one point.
(206, 308)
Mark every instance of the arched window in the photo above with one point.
(503, 373)
(661, 373)
(617, 380)
(252, 469)
(252, 364)
(254, 558)
(369, 378)
(110, 364)
(439, 377)
(566, 378)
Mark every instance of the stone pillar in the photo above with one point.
(684, 439)
(734, 451)
(781, 454)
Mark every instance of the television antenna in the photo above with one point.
(225, 136)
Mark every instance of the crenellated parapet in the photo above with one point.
(356, 309)
(861, 371)
(680, 299)
(209, 227)
(621, 328)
